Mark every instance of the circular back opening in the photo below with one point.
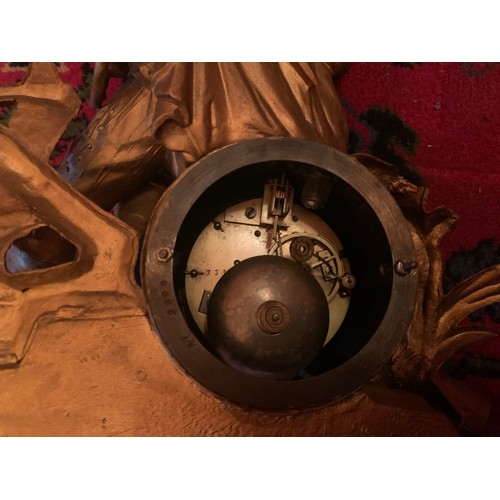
(351, 201)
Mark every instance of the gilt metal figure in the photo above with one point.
(165, 117)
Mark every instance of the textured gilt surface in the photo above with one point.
(99, 282)
(112, 377)
(434, 333)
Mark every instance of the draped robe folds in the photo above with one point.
(169, 115)
(203, 106)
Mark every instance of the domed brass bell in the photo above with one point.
(268, 316)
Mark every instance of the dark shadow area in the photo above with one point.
(42, 248)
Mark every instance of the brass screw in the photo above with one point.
(163, 254)
(404, 268)
(250, 212)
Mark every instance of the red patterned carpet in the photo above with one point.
(440, 124)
